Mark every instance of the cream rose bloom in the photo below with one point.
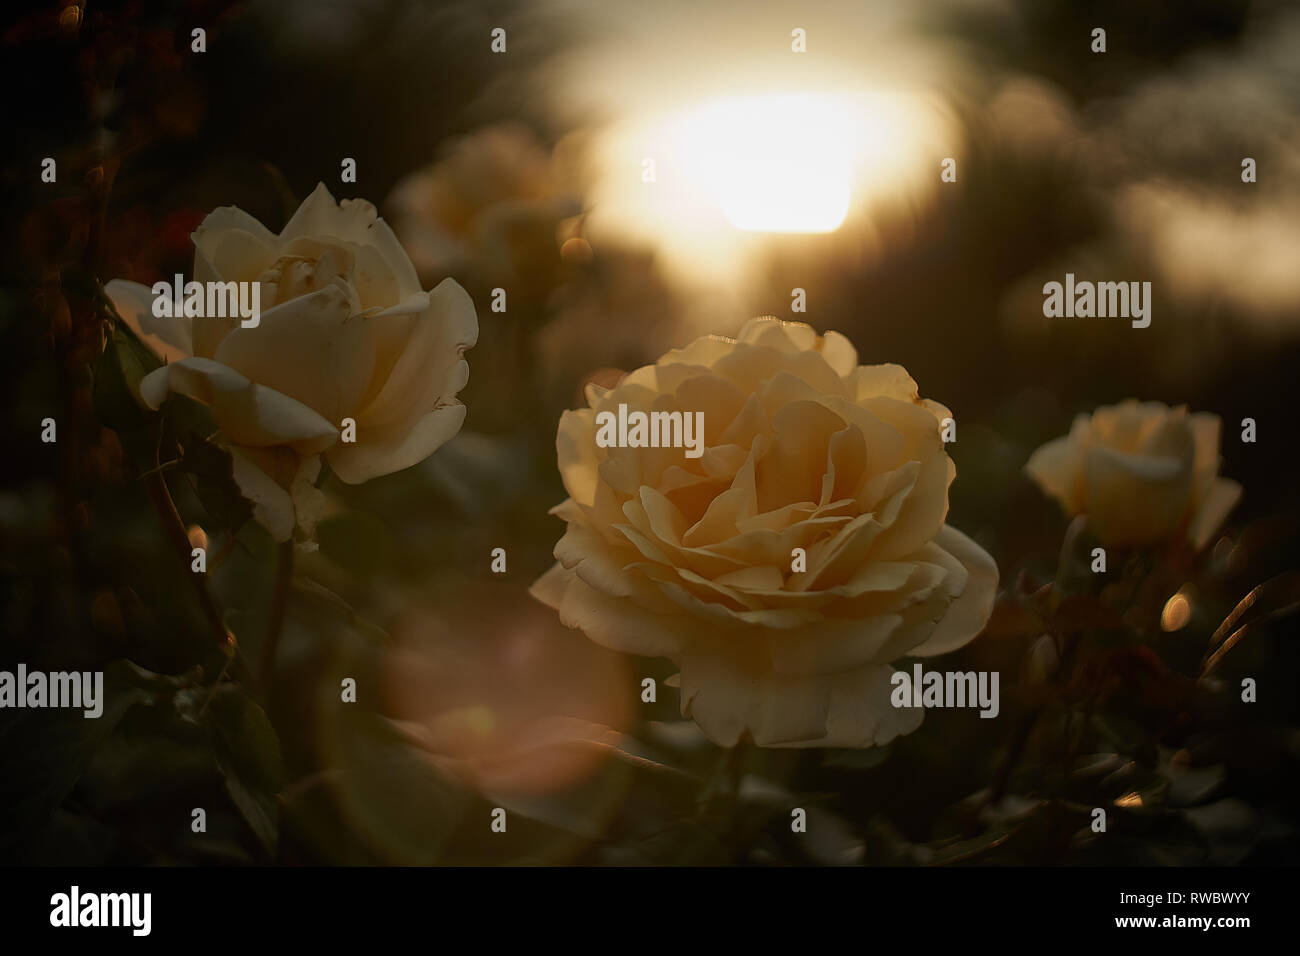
(691, 558)
(1141, 472)
(495, 187)
(345, 332)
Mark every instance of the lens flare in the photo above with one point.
(771, 163)
(1177, 612)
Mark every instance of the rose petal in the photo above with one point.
(310, 348)
(967, 615)
(1055, 467)
(272, 505)
(227, 218)
(779, 334)
(883, 381)
(167, 338)
(1213, 511)
(575, 448)
(248, 413)
(1135, 499)
(861, 713)
(617, 624)
(430, 370)
(357, 221)
(389, 450)
(728, 692)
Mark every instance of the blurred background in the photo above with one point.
(636, 175)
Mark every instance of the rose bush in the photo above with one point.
(1141, 472)
(345, 332)
(691, 559)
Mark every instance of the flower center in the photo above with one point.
(296, 275)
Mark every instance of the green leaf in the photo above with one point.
(324, 597)
(686, 842)
(247, 751)
(975, 849)
(393, 795)
(206, 458)
(121, 366)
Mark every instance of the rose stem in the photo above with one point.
(174, 528)
(1064, 656)
(733, 769)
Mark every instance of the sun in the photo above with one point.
(712, 181)
(773, 163)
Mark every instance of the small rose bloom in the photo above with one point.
(1143, 473)
(345, 332)
(693, 558)
(484, 204)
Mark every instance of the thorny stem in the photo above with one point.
(1065, 650)
(1031, 719)
(174, 528)
(1026, 728)
(98, 183)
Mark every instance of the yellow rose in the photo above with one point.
(1141, 472)
(496, 189)
(694, 558)
(344, 332)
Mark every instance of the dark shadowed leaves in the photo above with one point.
(247, 752)
(205, 458)
(43, 753)
(393, 796)
(121, 365)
